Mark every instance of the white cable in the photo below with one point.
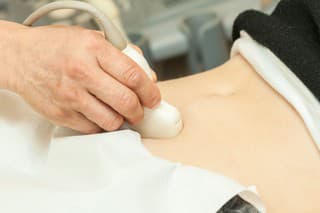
(112, 34)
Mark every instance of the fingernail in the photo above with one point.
(156, 105)
(154, 76)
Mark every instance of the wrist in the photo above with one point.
(10, 45)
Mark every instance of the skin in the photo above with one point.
(234, 122)
(81, 82)
(237, 125)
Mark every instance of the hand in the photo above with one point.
(77, 79)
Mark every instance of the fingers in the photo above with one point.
(154, 75)
(88, 115)
(117, 96)
(82, 124)
(126, 71)
(73, 120)
(100, 114)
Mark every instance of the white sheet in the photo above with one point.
(110, 172)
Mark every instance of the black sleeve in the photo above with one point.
(292, 33)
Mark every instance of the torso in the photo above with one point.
(237, 125)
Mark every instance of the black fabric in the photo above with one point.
(238, 205)
(292, 33)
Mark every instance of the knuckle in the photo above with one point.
(112, 123)
(60, 114)
(128, 101)
(77, 70)
(93, 40)
(132, 76)
(71, 95)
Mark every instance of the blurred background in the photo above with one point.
(178, 37)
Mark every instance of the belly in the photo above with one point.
(253, 138)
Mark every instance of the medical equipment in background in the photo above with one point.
(198, 30)
(164, 121)
(178, 37)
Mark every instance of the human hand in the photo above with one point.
(77, 79)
